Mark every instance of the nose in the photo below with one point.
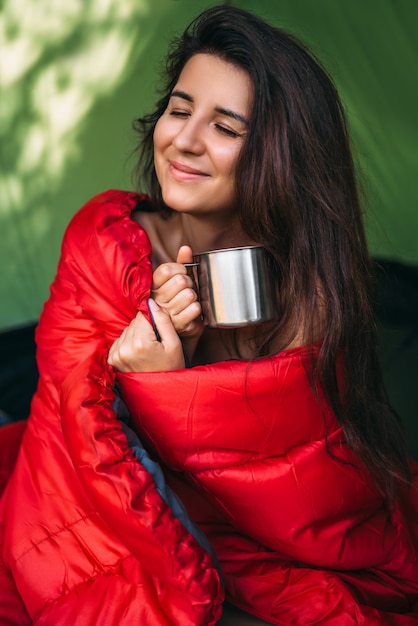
(189, 137)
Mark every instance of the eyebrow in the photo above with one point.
(228, 112)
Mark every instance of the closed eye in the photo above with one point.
(226, 130)
(178, 113)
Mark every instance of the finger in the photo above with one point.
(177, 303)
(165, 293)
(131, 342)
(189, 322)
(185, 255)
(138, 350)
(163, 324)
(165, 272)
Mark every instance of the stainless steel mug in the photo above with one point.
(235, 286)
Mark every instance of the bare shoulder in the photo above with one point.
(149, 220)
(163, 232)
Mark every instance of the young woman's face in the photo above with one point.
(198, 138)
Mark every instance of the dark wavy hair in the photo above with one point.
(297, 195)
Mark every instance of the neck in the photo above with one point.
(202, 234)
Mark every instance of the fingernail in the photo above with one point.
(153, 306)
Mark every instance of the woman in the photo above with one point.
(278, 438)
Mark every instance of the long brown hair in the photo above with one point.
(297, 195)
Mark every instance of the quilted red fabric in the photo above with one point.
(301, 532)
(87, 538)
(302, 535)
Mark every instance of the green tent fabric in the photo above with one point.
(74, 75)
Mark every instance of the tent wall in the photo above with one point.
(74, 75)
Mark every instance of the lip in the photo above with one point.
(181, 171)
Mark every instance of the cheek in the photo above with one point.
(164, 133)
(229, 161)
(160, 142)
(158, 135)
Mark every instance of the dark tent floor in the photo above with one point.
(398, 316)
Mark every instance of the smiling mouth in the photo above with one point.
(179, 171)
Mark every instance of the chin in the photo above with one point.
(181, 205)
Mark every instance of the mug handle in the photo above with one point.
(192, 272)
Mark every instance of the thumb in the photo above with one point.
(162, 324)
(185, 255)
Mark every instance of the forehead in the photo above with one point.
(219, 81)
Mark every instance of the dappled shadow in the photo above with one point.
(57, 60)
(74, 74)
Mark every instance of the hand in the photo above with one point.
(173, 290)
(139, 350)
